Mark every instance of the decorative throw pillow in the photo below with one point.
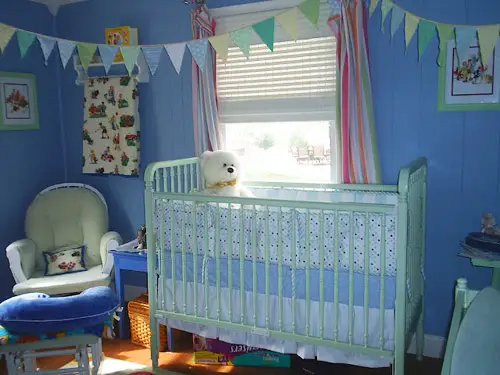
(64, 260)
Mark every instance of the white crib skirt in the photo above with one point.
(282, 346)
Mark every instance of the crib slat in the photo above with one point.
(254, 263)
(321, 273)
(191, 176)
(205, 261)
(158, 179)
(242, 264)
(184, 267)
(280, 271)
(217, 259)
(366, 265)
(294, 268)
(382, 281)
(230, 261)
(336, 250)
(179, 179)
(172, 179)
(194, 249)
(266, 257)
(163, 262)
(199, 184)
(172, 255)
(185, 174)
(308, 270)
(351, 276)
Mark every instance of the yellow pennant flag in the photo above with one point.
(220, 44)
(488, 36)
(411, 24)
(289, 21)
(373, 6)
(6, 33)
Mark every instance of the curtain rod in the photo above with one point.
(198, 2)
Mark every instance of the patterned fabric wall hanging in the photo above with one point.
(111, 126)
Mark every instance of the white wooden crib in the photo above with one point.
(327, 271)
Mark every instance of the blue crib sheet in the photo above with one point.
(206, 267)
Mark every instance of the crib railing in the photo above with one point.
(174, 181)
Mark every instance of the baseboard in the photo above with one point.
(433, 346)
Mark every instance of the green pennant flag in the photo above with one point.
(373, 6)
(241, 38)
(488, 36)
(385, 8)
(310, 9)
(426, 30)
(86, 52)
(265, 30)
(6, 33)
(411, 24)
(130, 55)
(445, 33)
(25, 40)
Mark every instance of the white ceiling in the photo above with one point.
(54, 5)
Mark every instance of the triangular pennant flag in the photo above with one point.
(411, 24)
(385, 8)
(47, 45)
(463, 39)
(241, 38)
(198, 50)
(108, 53)
(396, 19)
(66, 48)
(487, 36)
(220, 44)
(445, 33)
(6, 33)
(152, 55)
(373, 6)
(310, 9)
(130, 55)
(265, 30)
(86, 52)
(289, 20)
(426, 30)
(176, 54)
(24, 39)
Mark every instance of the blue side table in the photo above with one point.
(130, 261)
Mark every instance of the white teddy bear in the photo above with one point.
(223, 172)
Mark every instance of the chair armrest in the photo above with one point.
(109, 241)
(21, 255)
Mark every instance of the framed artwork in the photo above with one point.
(469, 84)
(18, 101)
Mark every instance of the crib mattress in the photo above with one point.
(231, 309)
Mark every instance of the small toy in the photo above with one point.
(489, 225)
(141, 238)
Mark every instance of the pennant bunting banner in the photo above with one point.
(66, 49)
(385, 8)
(445, 33)
(176, 54)
(6, 33)
(265, 30)
(130, 55)
(86, 52)
(488, 36)
(198, 50)
(411, 24)
(289, 20)
(373, 6)
(24, 39)
(242, 39)
(426, 30)
(310, 9)
(397, 17)
(108, 53)
(46, 45)
(220, 43)
(464, 36)
(152, 54)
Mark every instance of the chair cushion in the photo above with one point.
(37, 313)
(63, 284)
(64, 217)
(65, 260)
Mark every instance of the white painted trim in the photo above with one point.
(433, 346)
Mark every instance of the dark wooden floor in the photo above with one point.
(182, 362)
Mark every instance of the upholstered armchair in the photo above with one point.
(64, 215)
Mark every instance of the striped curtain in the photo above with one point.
(205, 106)
(359, 154)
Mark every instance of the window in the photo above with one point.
(277, 109)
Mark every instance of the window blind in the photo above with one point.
(295, 82)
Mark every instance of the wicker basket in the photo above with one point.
(140, 332)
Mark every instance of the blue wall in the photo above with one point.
(33, 159)
(462, 147)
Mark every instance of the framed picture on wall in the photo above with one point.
(468, 83)
(18, 101)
